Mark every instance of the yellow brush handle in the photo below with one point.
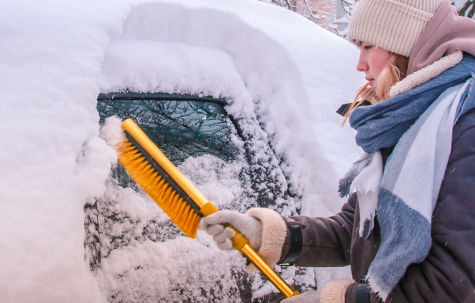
(242, 244)
(206, 207)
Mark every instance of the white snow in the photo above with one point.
(55, 58)
(51, 157)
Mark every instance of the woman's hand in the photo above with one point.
(264, 228)
(310, 296)
(249, 226)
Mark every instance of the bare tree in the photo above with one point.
(332, 15)
(466, 9)
(344, 8)
(321, 12)
(289, 4)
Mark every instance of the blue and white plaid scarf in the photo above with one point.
(420, 124)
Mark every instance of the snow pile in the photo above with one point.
(283, 76)
(155, 66)
(155, 263)
(51, 157)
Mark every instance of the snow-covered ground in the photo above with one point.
(273, 67)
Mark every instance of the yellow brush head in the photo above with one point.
(161, 188)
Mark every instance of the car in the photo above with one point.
(241, 95)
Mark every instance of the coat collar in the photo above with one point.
(426, 74)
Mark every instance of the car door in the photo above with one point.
(236, 169)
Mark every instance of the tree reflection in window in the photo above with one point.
(179, 128)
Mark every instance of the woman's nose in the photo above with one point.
(362, 65)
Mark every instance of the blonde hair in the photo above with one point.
(394, 71)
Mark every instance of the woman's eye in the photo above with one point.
(367, 47)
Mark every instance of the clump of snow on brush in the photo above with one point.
(276, 70)
(113, 132)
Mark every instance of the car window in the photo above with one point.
(181, 126)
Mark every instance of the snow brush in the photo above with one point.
(173, 192)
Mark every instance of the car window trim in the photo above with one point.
(114, 96)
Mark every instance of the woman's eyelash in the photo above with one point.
(367, 47)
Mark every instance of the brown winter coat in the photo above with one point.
(448, 272)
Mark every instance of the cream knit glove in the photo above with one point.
(310, 296)
(250, 227)
(332, 292)
(264, 228)
(335, 291)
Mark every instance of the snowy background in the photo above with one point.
(276, 69)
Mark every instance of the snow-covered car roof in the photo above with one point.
(56, 57)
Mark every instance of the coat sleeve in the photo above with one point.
(325, 241)
(448, 272)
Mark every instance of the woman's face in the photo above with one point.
(372, 61)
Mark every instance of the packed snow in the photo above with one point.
(283, 77)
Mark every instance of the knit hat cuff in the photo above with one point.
(390, 24)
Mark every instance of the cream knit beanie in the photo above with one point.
(394, 25)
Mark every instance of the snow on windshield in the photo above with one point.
(277, 70)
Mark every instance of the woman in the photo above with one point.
(408, 228)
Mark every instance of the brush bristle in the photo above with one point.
(157, 187)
